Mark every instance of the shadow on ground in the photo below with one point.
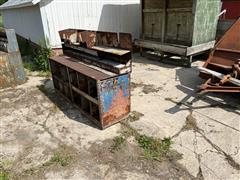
(63, 104)
(189, 82)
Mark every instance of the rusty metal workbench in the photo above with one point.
(94, 75)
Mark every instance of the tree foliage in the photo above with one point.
(3, 1)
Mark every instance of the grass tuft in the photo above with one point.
(117, 143)
(4, 175)
(154, 148)
(59, 159)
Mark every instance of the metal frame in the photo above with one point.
(94, 74)
(222, 69)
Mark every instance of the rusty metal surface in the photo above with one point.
(214, 85)
(11, 67)
(125, 41)
(224, 59)
(107, 50)
(87, 38)
(73, 64)
(114, 98)
(94, 73)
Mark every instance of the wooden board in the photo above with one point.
(153, 4)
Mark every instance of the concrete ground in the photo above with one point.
(45, 137)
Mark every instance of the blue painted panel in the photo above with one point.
(110, 88)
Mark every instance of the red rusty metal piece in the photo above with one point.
(125, 41)
(225, 59)
(107, 50)
(107, 39)
(88, 37)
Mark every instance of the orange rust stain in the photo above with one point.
(2, 81)
(2, 63)
(120, 106)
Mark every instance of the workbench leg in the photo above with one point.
(141, 51)
(162, 56)
(189, 59)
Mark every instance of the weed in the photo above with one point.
(37, 58)
(4, 175)
(59, 159)
(44, 74)
(118, 142)
(128, 131)
(29, 172)
(41, 57)
(29, 66)
(154, 148)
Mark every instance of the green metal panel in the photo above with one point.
(187, 22)
(205, 21)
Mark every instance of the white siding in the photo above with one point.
(102, 15)
(26, 22)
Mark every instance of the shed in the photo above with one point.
(184, 27)
(39, 20)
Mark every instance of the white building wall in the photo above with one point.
(102, 15)
(26, 22)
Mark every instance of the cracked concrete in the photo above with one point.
(205, 130)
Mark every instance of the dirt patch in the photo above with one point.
(100, 162)
(61, 159)
(191, 123)
(146, 88)
(130, 158)
(134, 116)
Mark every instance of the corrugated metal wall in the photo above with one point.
(102, 15)
(26, 22)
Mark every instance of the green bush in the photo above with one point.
(40, 58)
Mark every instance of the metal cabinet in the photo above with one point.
(183, 28)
